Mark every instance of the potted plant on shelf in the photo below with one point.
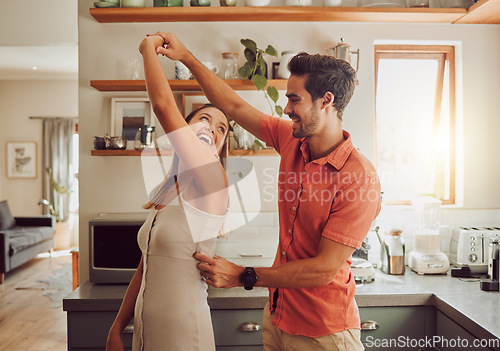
(255, 69)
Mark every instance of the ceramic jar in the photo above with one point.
(298, 2)
(332, 3)
(133, 3)
(283, 72)
(227, 2)
(200, 3)
(257, 3)
(168, 3)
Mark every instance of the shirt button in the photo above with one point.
(294, 208)
(290, 231)
(283, 253)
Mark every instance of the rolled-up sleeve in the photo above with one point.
(275, 131)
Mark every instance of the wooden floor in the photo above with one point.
(27, 323)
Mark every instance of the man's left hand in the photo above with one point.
(219, 272)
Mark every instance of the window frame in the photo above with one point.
(444, 54)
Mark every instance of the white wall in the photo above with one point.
(114, 184)
(38, 23)
(18, 101)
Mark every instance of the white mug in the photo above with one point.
(181, 71)
(211, 66)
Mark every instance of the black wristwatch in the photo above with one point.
(248, 278)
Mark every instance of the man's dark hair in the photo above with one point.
(325, 73)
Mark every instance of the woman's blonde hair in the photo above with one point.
(160, 191)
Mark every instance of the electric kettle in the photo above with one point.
(343, 51)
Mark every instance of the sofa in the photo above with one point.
(22, 238)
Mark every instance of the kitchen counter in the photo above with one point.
(462, 301)
(100, 297)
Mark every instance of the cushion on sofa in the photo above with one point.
(6, 219)
(22, 237)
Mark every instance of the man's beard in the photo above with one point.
(307, 130)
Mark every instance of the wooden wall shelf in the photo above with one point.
(263, 152)
(178, 85)
(482, 12)
(278, 14)
(147, 152)
(153, 152)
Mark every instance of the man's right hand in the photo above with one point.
(172, 47)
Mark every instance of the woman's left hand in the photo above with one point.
(219, 272)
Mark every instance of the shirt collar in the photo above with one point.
(336, 158)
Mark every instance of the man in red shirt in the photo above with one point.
(329, 194)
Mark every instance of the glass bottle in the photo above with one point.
(138, 145)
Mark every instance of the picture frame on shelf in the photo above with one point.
(21, 158)
(276, 66)
(192, 101)
(130, 114)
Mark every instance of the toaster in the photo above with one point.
(469, 247)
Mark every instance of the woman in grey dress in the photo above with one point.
(167, 296)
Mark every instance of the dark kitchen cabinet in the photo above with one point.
(88, 330)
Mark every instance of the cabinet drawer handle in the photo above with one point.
(369, 325)
(250, 255)
(249, 327)
(129, 329)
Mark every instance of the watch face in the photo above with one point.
(249, 278)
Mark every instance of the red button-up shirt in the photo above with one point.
(336, 197)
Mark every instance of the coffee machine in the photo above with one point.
(426, 256)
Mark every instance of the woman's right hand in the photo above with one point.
(172, 47)
(114, 342)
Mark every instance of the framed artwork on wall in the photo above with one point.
(192, 101)
(130, 114)
(21, 159)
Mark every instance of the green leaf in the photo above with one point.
(246, 70)
(250, 44)
(273, 93)
(249, 55)
(279, 110)
(271, 51)
(259, 81)
(262, 65)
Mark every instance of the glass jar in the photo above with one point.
(243, 138)
(138, 145)
(229, 68)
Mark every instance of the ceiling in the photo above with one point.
(39, 62)
(38, 40)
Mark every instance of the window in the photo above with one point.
(415, 121)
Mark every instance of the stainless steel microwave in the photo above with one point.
(114, 253)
